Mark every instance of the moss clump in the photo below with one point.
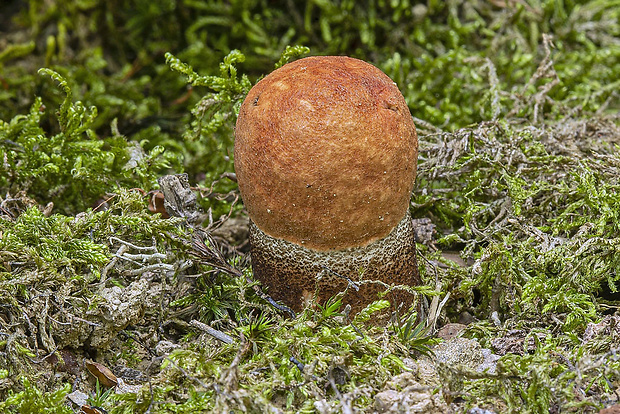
(31, 400)
(74, 167)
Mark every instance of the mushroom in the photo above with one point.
(325, 155)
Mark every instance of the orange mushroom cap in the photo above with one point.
(326, 153)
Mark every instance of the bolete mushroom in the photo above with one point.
(325, 155)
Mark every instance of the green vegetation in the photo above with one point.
(516, 105)
(32, 400)
(73, 166)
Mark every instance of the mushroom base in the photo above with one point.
(296, 275)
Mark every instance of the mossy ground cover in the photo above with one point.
(516, 104)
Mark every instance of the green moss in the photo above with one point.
(73, 167)
(32, 401)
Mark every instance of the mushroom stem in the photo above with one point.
(295, 274)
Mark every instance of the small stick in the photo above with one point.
(213, 332)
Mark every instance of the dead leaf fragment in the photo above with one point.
(614, 409)
(102, 373)
(65, 360)
(156, 204)
(450, 330)
(87, 409)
